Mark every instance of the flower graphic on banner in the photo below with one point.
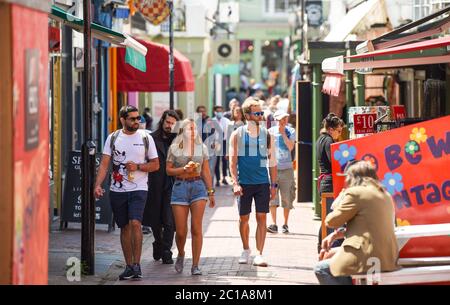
(402, 222)
(418, 134)
(371, 159)
(393, 182)
(412, 147)
(345, 154)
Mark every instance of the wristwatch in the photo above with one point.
(274, 185)
(211, 191)
(138, 167)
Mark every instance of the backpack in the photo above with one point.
(144, 139)
(262, 129)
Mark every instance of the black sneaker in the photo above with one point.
(217, 183)
(285, 229)
(167, 257)
(157, 252)
(224, 181)
(272, 229)
(137, 273)
(127, 274)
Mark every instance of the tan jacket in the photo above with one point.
(369, 214)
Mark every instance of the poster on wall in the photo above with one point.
(31, 145)
(412, 163)
(31, 98)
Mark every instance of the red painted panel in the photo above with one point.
(31, 145)
(414, 165)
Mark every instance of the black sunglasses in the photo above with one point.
(136, 118)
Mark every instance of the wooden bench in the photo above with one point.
(410, 275)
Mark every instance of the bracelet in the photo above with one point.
(211, 191)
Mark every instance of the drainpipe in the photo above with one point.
(360, 92)
(349, 100)
(316, 121)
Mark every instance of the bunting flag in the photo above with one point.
(135, 59)
(155, 11)
(332, 84)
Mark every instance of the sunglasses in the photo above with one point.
(137, 118)
(257, 113)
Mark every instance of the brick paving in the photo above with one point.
(291, 257)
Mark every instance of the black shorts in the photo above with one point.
(260, 193)
(127, 206)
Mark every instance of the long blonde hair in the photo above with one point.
(183, 125)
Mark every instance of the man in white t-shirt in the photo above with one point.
(133, 155)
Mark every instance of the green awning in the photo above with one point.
(98, 31)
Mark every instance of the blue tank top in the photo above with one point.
(252, 157)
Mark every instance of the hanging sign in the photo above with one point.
(155, 11)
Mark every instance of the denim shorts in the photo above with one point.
(188, 192)
(127, 206)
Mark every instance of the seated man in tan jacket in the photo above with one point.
(368, 211)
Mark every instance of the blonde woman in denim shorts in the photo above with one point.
(187, 160)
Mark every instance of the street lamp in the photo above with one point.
(87, 154)
(171, 61)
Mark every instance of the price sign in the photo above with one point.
(363, 123)
(399, 112)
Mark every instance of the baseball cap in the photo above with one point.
(280, 114)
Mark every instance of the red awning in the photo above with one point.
(423, 45)
(156, 79)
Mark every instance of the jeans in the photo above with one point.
(212, 165)
(323, 274)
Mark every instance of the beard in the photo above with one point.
(132, 128)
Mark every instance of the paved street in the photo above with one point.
(291, 257)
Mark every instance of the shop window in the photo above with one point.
(278, 7)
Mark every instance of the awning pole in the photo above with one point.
(171, 64)
(87, 155)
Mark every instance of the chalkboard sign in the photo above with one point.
(72, 193)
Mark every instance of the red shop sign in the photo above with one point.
(364, 123)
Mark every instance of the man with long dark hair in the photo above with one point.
(158, 212)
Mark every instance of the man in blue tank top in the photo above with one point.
(252, 156)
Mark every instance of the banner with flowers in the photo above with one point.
(413, 163)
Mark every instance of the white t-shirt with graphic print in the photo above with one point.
(129, 148)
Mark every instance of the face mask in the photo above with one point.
(219, 115)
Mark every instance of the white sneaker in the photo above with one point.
(245, 256)
(259, 261)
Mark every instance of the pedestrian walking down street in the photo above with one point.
(284, 144)
(158, 211)
(148, 118)
(251, 154)
(222, 159)
(332, 127)
(211, 137)
(233, 103)
(133, 155)
(187, 161)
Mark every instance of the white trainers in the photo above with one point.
(245, 256)
(259, 261)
